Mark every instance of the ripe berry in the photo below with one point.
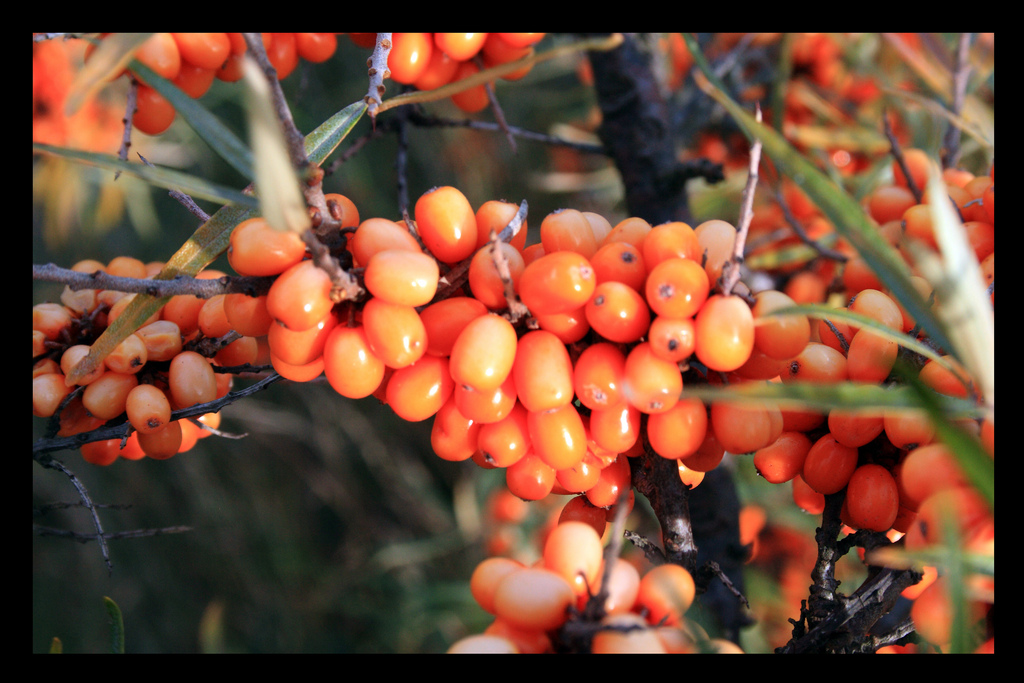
(447, 224)
(483, 354)
(505, 442)
(485, 280)
(350, 365)
(444, 320)
(301, 296)
(745, 427)
(402, 277)
(258, 249)
(558, 282)
(724, 333)
(829, 465)
(598, 376)
(486, 577)
(395, 332)
(453, 436)
(679, 431)
(666, 593)
(558, 436)
(533, 598)
(191, 380)
(530, 477)
(574, 551)
(460, 46)
(418, 391)
(782, 459)
(148, 408)
(676, 287)
(106, 396)
(163, 443)
(567, 230)
(779, 337)
(651, 384)
(206, 50)
(615, 429)
(618, 313)
(409, 56)
(872, 500)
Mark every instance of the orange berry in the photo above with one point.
(258, 249)
(505, 442)
(615, 480)
(191, 380)
(416, 392)
(494, 215)
(618, 313)
(918, 163)
(908, 428)
(651, 384)
(567, 230)
(671, 240)
(485, 280)
(579, 478)
(485, 579)
(574, 551)
(474, 99)
(302, 347)
(570, 327)
(301, 296)
(148, 408)
(579, 509)
(633, 230)
(533, 598)
(453, 436)
(163, 443)
(440, 71)
(48, 390)
(106, 396)
(298, 373)
(716, 239)
(409, 56)
(485, 407)
(530, 477)
(806, 498)
(745, 427)
(282, 53)
(153, 113)
(446, 223)
(672, 339)
(483, 353)
(316, 47)
(871, 357)
(872, 501)
(557, 282)
(724, 333)
(444, 320)
(162, 339)
(854, 428)
(598, 376)
(615, 429)
(101, 452)
(679, 431)
(378, 234)
(620, 262)
(460, 46)
(779, 337)
(625, 635)
(938, 376)
(926, 470)
(665, 594)
(783, 459)
(395, 332)
(351, 367)
(829, 465)
(206, 50)
(558, 436)
(817, 363)
(402, 277)
(676, 287)
(248, 315)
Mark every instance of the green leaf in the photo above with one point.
(116, 626)
(845, 213)
(161, 177)
(208, 127)
(107, 61)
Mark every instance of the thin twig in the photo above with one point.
(49, 462)
(961, 72)
(732, 270)
(203, 289)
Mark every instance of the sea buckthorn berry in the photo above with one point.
(183, 311)
(890, 202)
(301, 296)
(342, 209)
(871, 357)
(495, 215)
(724, 333)
(671, 240)
(153, 113)
(530, 477)
(877, 306)
(598, 375)
(258, 249)
(453, 436)
(557, 282)
(248, 314)
(581, 477)
(625, 634)
(446, 223)
(672, 339)
(444, 320)
(829, 465)
(806, 287)
(854, 428)
(460, 46)
(806, 498)
(213, 322)
(485, 407)
(652, 385)
(485, 280)
(282, 53)
(106, 396)
(941, 378)
(521, 39)
(618, 313)
(484, 644)
(122, 304)
(574, 551)
(579, 509)
(162, 339)
(402, 277)
(496, 51)
(744, 427)
(126, 266)
(298, 373)
(678, 432)
(410, 54)
(567, 230)
(570, 327)
(676, 287)
(485, 579)
(558, 436)
(633, 230)
(378, 234)
(961, 505)
(782, 459)
(483, 353)
(50, 319)
(148, 408)
(474, 99)
(708, 455)
(302, 347)
(612, 484)
(666, 593)
(505, 442)
(917, 163)
(48, 390)
(351, 367)
(395, 332)
(418, 391)
(817, 363)
(620, 262)
(191, 379)
(206, 50)
(908, 428)
(316, 47)
(533, 598)
(161, 54)
(616, 429)
(925, 470)
(777, 336)
(163, 443)
(440, 71)
(72, 356)
(716, 239)
(934, 613)
(872, 501)
(101, 453)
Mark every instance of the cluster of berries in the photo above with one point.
(428, 61)
(192, 61)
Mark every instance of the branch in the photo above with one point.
(204, 289)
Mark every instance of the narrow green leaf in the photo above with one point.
(116, 626)
(161, 177)
(56, 646)
(277, 183)
(326, 138)
(107, 61)
(845, 213)
(208, 127)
